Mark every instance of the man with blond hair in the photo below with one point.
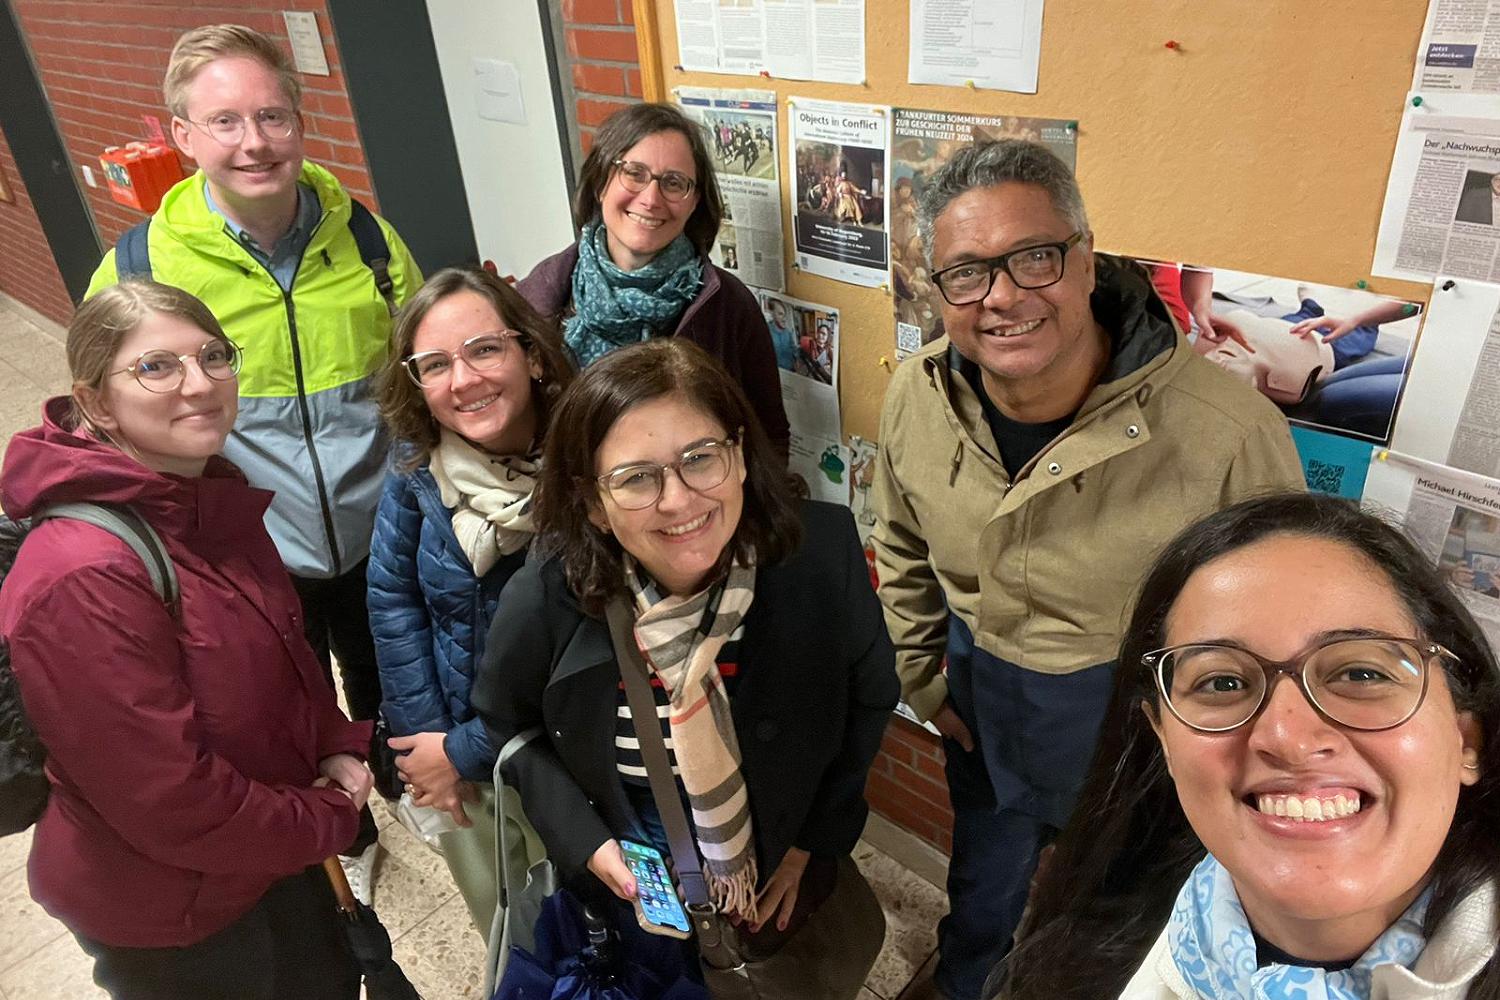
(305, 279)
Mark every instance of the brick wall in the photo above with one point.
(907, 786)
(27, 272)
(601, 53)
(102, 63)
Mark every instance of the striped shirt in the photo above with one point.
(628, 747)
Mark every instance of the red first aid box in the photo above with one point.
(139, 173)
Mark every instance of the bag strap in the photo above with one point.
(133, 254)
(373, 250)
(132, 529)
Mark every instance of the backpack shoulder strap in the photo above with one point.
(132, 529)
(132, 254)
(373, 249)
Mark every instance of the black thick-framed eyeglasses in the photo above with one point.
(1032, 267)
(1369, 683)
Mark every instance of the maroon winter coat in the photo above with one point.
(181, 753)
(724, 320)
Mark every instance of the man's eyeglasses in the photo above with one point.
(163, 371)
(701, 468)
(637, 177)
(229, 128)
(1029, 267)
(482, 353)
(1370, 684)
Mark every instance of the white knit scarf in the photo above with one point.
(490, 496)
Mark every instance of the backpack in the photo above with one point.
(133, 255)
(23, 778)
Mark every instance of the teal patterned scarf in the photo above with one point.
(613, 308)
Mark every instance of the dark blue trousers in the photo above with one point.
(1034, 738)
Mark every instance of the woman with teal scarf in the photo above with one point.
(1295, 793)
(648, 209)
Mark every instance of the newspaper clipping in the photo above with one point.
(839, 168)
(995, 44)
(1452, 516)
(922, 141)
(1460, 47)
(740, 129)
(820, 40)
(1442, 205)
(1452, 412)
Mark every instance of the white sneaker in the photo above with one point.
(359, 869)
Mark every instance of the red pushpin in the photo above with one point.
(489, 266)
(766, 73)
(1172, 44)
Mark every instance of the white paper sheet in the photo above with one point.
(821, 40)
(740, 128)
(838, 156)
(1450, 413)
(991, 44)
(1460, 47)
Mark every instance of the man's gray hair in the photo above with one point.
(989, 163)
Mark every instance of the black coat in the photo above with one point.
(816, 687)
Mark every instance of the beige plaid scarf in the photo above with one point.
(681, 637)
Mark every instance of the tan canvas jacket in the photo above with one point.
(1043, 569)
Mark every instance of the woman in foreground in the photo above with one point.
(1294, 795)
(185, 745)
(660, 495)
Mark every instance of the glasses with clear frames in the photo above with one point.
(1030, 267)
(228, 128)
(1369, 683)
(636, 177)
(483, 353)
(163, 371)
(701, 467)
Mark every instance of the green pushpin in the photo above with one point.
(1072, 126)
(1416, 102)
(1408, 310)
(1361, 284)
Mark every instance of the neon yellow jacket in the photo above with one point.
(308, 427)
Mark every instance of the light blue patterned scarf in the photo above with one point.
(614, 308)
(1210, 942)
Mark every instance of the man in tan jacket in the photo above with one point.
(1032, 462)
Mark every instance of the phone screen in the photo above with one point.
(658, 899)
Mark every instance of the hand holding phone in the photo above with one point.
(657, 908)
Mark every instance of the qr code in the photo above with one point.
(908, 339)
(1324, 478)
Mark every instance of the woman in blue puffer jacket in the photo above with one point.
(466, 393)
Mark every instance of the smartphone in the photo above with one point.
(657, 907)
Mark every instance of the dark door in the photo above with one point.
(42, 161)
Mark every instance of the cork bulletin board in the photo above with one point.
(1260, 142)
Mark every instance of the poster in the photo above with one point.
(1460, 49)
(839, 165)
(740, 129)
(922, 141)
(992, 44)
(1442, 202)
(821, 40)
(1454, 518)
(1452, 413)
(806, 338)
(1334, 359)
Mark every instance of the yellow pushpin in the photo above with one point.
(1384, 454)
(884, 362)
(969, 84)
(885, 287)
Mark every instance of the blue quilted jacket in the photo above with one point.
(429, 615)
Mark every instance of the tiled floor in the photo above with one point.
(434, 939)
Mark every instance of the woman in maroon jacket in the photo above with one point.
(200, 767)
(648, 208)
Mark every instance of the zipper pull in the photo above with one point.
(958, 458)
(327, 261)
